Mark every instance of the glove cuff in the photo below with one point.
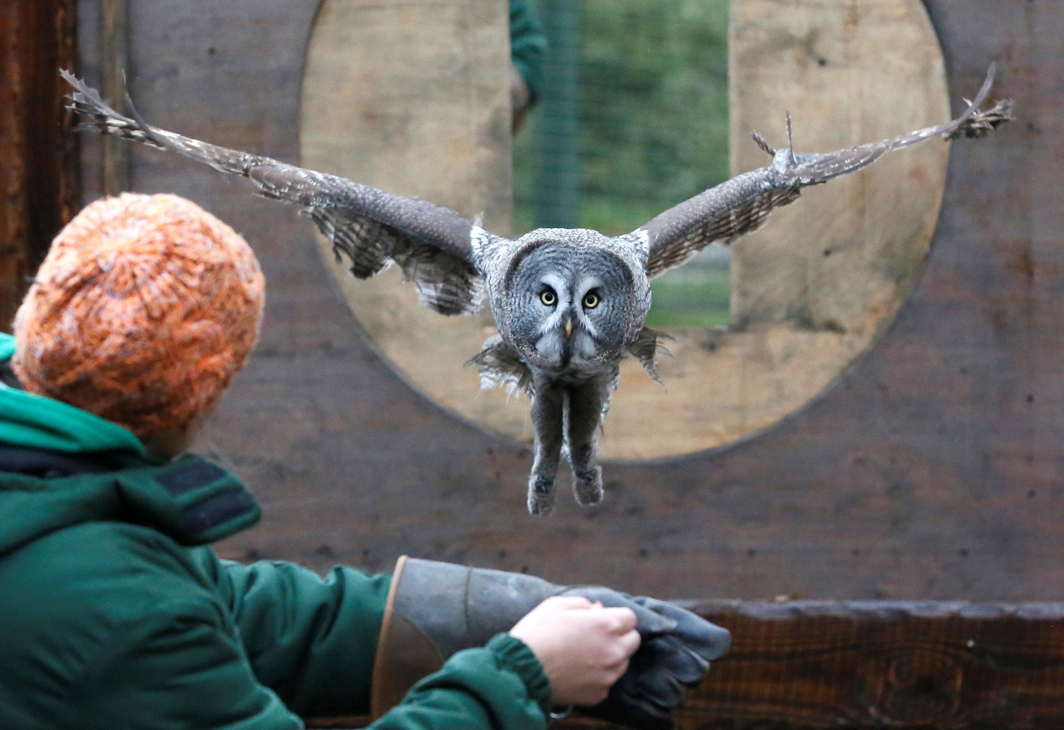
(404, 653)
(436, 609)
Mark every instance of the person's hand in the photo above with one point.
(583, 647)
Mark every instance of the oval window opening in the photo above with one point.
(647, 104)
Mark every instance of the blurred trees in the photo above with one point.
(633, 119)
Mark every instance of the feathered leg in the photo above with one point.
(548, 402)
(586, 403)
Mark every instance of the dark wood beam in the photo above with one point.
(38, 173)
(805, 665)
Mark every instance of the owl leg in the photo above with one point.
(586, 402)
(547, 410)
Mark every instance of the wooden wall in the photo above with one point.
(929, 470)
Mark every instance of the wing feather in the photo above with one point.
(738, 206)
(368, 226)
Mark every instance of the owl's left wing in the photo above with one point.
(372, 228)
(740, 205)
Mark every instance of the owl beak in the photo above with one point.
(568, 326)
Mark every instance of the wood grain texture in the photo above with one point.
(114, 57)
(877, 664)
(38, 171)
(429, 82)
(840, 258)
(805, 665)
(929, 470)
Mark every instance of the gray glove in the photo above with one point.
(658, 673)
(436, 609)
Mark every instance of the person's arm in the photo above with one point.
(313, 640)
(310, 639)
(497, 687)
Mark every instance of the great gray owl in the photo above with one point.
(569, 304)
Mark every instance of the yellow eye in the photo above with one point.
(591, 300)
(548, 297)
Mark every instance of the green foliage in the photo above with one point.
(652, 111)
(633, 120)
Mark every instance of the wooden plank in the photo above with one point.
(800, 665)
(114, 42)
(880, 664)
(38, 174)
(13, 232)
(841, 258)
(427, 81)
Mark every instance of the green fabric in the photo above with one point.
(42, 423)
(113, 613)
(528, 43)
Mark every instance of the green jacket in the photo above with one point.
(528, 43)
(114, 613)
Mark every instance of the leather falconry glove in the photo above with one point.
(436, 609)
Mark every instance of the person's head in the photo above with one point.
(142, 311)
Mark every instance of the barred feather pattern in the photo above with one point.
(741, 205)
(443, 283)
(371, 228)
(748, 206)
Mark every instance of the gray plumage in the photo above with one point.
(570, 304)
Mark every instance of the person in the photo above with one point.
(528, 44)
(115, 611)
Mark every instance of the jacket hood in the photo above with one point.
(61, 466)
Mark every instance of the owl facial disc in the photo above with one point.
(570, 308)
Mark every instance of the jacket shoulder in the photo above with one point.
(117, 621)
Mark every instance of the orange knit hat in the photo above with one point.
(142, 311)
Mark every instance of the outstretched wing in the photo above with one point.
(741, 205)
(370, 227)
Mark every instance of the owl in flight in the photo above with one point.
(569, 303)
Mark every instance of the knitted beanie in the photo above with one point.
(143, 309)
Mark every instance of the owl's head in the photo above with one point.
(573, 301)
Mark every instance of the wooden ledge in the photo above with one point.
(799, 665)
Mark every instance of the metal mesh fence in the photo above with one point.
(633, 119)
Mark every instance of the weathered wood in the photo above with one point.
(841, 258)
(114, 52)
(877, 664)
(38, 173)
(430, 82)
(801, 665)
(930, 469)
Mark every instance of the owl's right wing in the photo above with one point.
(740, 205)
(371, 227)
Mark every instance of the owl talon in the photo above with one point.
(540, 496)
(587, 486)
